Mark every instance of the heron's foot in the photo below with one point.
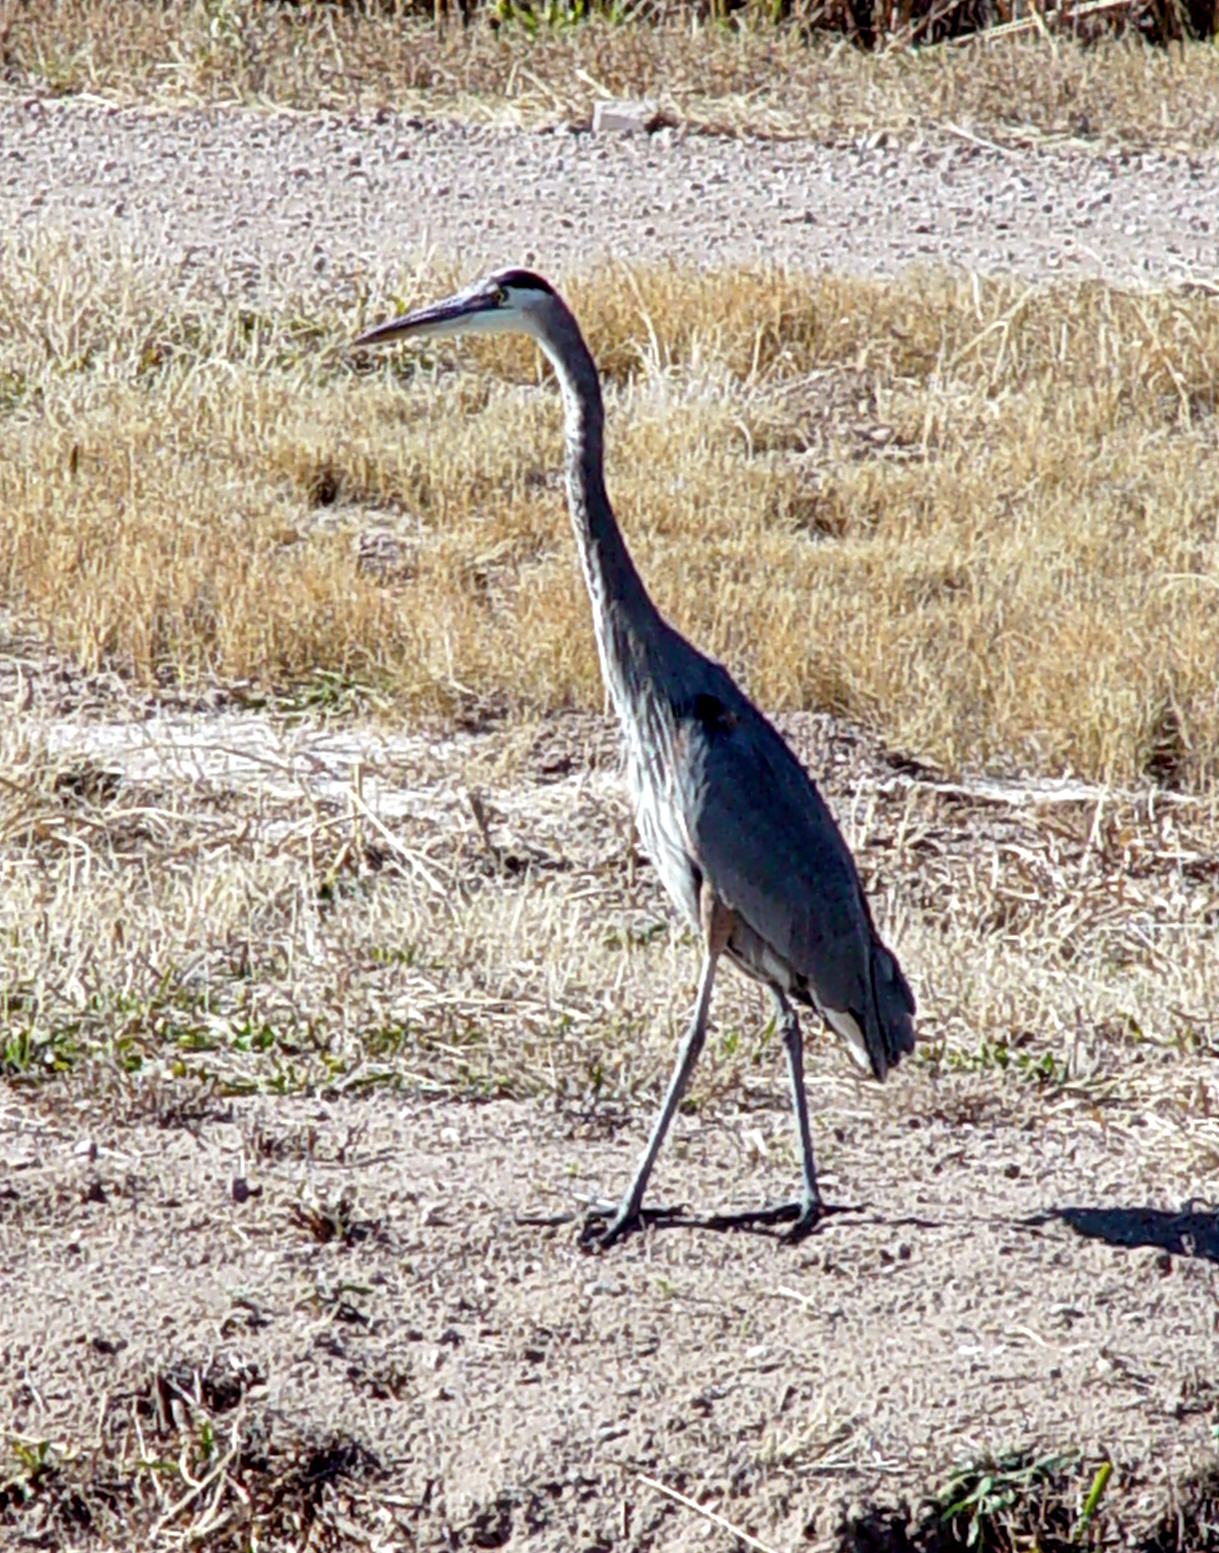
(812, 1211)
(605, 1223)
(803, 1213)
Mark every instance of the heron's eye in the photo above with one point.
(500, 296)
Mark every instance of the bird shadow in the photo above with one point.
(773, 1222)
(1191, 1233)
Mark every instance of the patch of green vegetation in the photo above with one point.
(16, 391)
(169, 1025)
(31, 1463)
(391, 1040)
(1042, 1068)
(754, 1043)
(994, 1503)
(30, 1057)
(1019, 1501)
(556, 16)
(397, 954)
(322, 693)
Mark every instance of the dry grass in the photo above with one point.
(755, 78)
(219, 1455)
(265, 907)
(944, 500)
(977, 517)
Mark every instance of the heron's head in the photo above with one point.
(508, 301)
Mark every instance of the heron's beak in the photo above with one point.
(452, 316)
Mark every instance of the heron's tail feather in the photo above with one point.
(881, 1037)
(845, 1024)
(894, 1004)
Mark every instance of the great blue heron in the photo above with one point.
(737, 831)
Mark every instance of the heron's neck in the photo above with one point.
(626, 622)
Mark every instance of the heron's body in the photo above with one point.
(720, 801)
(743, 841)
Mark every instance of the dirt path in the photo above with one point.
(325, 198)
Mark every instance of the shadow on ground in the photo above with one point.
(1189, 1234)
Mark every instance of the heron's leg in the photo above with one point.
(810, 1209)
(793, 1043)
(717, 929)
(627, 1215)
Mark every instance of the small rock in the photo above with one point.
(621, 116)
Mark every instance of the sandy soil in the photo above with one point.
(995, 1284)
(325, 197)
(353, 1271)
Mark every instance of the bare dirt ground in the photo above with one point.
(492, 1383)
(281, 1294)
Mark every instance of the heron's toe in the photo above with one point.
(604, 1224)
(811, 1214)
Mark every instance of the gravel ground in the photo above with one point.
(319, 196)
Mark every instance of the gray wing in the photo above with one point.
(768, 845)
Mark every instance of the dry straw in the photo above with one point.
(978, 517)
